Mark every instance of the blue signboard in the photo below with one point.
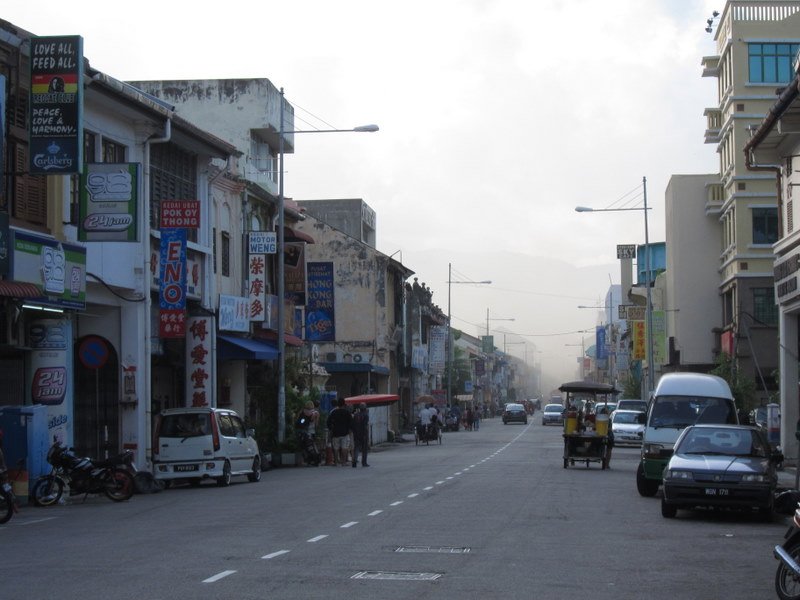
(320, 313)
(172, 290)
(600, 341)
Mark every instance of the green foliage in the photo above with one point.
(742, 387)
(632, 387)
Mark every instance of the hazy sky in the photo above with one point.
(497, 118)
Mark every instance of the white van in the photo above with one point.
(679, 400)
(204, 443)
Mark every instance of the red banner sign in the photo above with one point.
(180, 214)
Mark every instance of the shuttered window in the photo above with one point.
(173, 176)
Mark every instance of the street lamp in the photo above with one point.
(448, 365)
(649, 305)
(493, 319)
(281, 273)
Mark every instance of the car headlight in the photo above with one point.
(754, 478)
(675, 474)
(652, 450)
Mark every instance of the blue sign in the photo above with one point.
(600, 342)
(172, 274)
(320, 306)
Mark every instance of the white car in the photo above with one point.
(194, 444)
(628, 427)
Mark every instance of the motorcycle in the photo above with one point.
(84, 476)
(8, 501)
(311, 455)
(787, 577)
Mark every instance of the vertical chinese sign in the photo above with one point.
(639, 342)
(259, 244)
(198, 361)
(320, 307)
(56, 105)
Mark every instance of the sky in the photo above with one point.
(497, 118)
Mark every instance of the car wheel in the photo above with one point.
(255, 475)
(225, 480)
(668, 511)
(646, 487)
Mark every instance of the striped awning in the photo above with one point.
(19, 289)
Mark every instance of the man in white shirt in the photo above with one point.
(425, 415)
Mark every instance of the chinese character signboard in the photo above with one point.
(172, 284)
(56, 105)
(234, 313)
(199, 383)
(600, 343)
(108, 202)
(437, 348)
(660, 338)
(320, 308)
(256, 286)
(639, 343)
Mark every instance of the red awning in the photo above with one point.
(19, 289)
(373, 399)
(272, 335)
(292, 235)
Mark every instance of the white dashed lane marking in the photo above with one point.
(317, 538)
(218, 576)
(348, 525)
(374, 513)
(275, 554)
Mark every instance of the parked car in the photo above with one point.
(515, 412)
(721, 466)
(632, 404)
(194, 444)
(628, 427)
(758, 417)
(552, 413)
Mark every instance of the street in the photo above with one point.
(486, 514)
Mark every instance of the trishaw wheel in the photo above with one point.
(565, 463)
(416, 439)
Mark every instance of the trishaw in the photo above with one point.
(584, 441)
(427, 433)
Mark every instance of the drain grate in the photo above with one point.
(397, 575)
(433, 549)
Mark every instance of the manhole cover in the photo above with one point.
(433, 549)
(397, 575)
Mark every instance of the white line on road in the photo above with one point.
(374, 513)
(457, 473)
(347, 525)
(430, 487)
(317, 538)
(447, 478)
(414, 495)
(36, 521)
(439, 482)
(275, 554)
(218, 576)
(396, 503)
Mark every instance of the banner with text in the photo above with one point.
(320, 307)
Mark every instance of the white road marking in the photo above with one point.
(457, 473)
(448, 478)
(317, 538)
(218, 576)
(347, 525)
(439, 482)
(396, 503)
(414, 495)
(374, 513)
(275, 554)
(430, 487)
(35, 521)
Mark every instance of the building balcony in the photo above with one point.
(715, 197)
(710, 66)
(713, 125)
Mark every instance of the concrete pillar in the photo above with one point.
(790, 402)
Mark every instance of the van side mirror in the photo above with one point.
(250, 433)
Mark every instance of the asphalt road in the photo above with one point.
(486, 514)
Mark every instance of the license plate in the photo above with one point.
(183, 468)
(716, 492)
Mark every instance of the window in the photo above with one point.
(113, 152)
(765, 225)
(225, 251)
(89, 139)
(173, 176)
(764, 309)
(771, 63)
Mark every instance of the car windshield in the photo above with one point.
(628, 417)
(681, 411)
(552, 408)
(512, 407)
(723, 441)
(185, 425)
(632, 405)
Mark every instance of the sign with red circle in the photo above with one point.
(93, 352)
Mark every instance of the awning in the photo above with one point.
(272, 335)
(348, 367)
(19, 289)
(372, 399)
(237, 348)
(292, 235)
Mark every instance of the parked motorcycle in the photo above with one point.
(83, 476)
(787, 577)
(308, 446)
(8, 501)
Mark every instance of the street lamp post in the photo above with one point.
(649, 301)
(281, 271)
(448, 361)
(493, 319)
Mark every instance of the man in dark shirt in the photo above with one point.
(340, 423)
(361, 434)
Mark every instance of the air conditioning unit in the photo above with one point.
(361, 357)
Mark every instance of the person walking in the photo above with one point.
(476, 420)
(340, 422)
(361, 435)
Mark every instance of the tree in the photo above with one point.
(742, 387)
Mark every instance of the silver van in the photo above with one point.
(204, 443)
(679, 400)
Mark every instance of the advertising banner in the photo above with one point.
(109, 195)
(199, 361)
(234, 313)
(660, 338)
(56, 105)
(294, 273)
(50, 341)
(320, 305)
(57, 268)
(172, 284)
(600, 343)
(180, 214)
(437, 346)
(262, 242)
(257, 286)
(639, 340)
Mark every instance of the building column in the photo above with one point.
(790, 402)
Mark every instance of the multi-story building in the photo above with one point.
(756, 43)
